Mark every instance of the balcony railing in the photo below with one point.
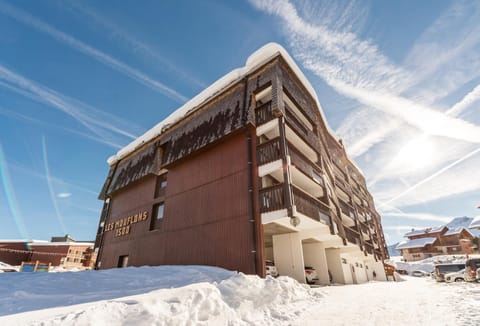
(292, 117)
(264, 113)
(347, 209)
(311, 207)
(307, 135)
(272, 198)
(351, 235)
(369, 248)
(302, 163)
(268, 151)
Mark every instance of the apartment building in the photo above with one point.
(247, 171)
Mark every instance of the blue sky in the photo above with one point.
(81, 79)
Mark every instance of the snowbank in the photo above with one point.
(202, 296)
(427, 264)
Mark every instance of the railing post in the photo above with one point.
(287, 190)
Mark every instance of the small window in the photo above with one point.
(157, 216)
(161, 185)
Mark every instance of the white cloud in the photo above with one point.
(92, 52)
(64, 195)
(357, 69)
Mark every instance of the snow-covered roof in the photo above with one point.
(263, 55)
(474, 232)
(415, 243)
(20, 241)
(457, 230)
(425, 231)
(46, 243)
(475, 222)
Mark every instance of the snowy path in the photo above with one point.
(417, 301)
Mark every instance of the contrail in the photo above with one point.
(50, 187)
(418, 184)
(92, 52)
(11, 198)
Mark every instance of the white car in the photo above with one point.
(311, 275)
(270, 268)
(419, 273)
(455, 276)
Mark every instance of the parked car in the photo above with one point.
(271, 269)
(478, 275)
(455, 276)
(311, 275)
(472, 266)
(419, 273)
(441, 269)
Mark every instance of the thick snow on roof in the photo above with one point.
(46, 243)
(22, 241)
(474, 232)
(254, 61)
(475, 222)
(416, 243)
(457, 230)
(424, 231)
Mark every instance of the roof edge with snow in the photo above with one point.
(257, 59)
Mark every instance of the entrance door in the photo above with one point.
(122, 261)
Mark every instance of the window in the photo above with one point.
(161, 185)
(157, 216)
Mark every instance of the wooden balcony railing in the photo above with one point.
(351, 235)
(346, 209)
(272, 198)
(264, 113)
(292, 117)
(268, 151)
(364, 228)
(369, 248)
(302, 163)
(311, 207)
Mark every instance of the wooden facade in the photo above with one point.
(205, 189)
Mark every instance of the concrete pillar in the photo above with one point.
(288, 254)
(379, 270)
(314, 255)
(336, 267)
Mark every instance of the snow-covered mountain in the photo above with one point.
(392, 251)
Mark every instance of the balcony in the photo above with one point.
(347, 213)
(264, 113)
(269, 151)
(272, 198)
(369, 248)
(312, 207)
(352, 236)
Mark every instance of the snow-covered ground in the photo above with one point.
(200, 295)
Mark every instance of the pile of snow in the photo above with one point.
(427, 264)
(7, 267)
(201, 295)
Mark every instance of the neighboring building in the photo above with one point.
(247, 171)
(66, 254)
(441, 240)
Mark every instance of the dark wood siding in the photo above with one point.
(206, 218)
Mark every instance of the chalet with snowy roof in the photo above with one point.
(441, 240)
(247, 171)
